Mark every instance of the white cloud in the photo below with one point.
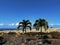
(51, 24)
(1, 24)
(12, 24)
(17, 24)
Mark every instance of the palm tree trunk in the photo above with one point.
(25, 30)
(41, 29)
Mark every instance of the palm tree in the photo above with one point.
(24, 24)
(43, 24)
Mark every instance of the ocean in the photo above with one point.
(15, 28)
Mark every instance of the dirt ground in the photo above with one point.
(53, 42)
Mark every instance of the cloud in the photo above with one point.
(51, 24)
(17, 24)
(12, 24)
(1, 24)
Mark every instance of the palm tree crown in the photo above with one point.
(41, 23)
(24, 24)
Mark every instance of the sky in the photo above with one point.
(14, 11)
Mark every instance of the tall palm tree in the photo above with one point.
(24, 24)
(43, 24)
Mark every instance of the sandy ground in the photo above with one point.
(33, 30)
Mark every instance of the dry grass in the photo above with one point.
(33, 30)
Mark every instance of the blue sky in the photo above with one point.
(14, 11)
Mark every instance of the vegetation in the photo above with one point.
(24, 24)
(41, 23)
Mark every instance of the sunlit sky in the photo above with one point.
(14, 11)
